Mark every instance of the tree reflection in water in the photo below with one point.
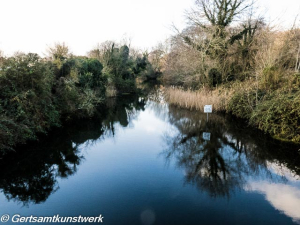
(218, 166)
(222, 163)
(29, 174)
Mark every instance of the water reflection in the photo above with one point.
(284, 198)
(220, 156)
(29, 174)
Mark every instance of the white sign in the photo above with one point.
(206, 136)
(208, 109)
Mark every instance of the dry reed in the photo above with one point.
(218, 98)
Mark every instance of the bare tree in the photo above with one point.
(58, 51)
(297, 65)
(156, 57)
(102, 51)
(219, 13)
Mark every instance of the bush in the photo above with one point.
(35, 94)
(244, 101)
(215, 77)
(125, 85)
(26, 83)
(80, 86)
(279, 115)
(12, 132)
(271, 78)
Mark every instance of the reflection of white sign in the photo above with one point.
(208, 108)
(206, 136)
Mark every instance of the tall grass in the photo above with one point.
(218, 98)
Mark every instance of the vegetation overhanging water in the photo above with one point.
(141, 161)
(64, 141)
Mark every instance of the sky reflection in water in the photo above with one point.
(143, 162)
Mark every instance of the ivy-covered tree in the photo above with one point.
(120, 67)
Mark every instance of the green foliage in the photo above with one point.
(239, 105)
(276, 113)
(26, 99)
(59, 53)
(87, 102)
(243, 102)
(117, 62)
(271, 78)
(140, 64)
(151, 67)
(279, 115)
(12, 132)
(80, 87)
(120, 67)
(67, 96)
(215, 77)
(85, 72)
(296, 81)
(36, 94)
(125, 85)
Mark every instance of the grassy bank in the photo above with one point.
(276, 112)
(189, 99)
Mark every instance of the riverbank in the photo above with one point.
(38, 94)
(186, 159)
(276, 113)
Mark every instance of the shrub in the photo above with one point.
(279, 115)
(26, 83)
(215, 77)
(244, 101)
(35, 94)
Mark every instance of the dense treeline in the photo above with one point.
(225, 57)
(240, 64)
(121, 66)
(39, 93)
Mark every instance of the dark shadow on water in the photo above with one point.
(29, 174)
(218, 156)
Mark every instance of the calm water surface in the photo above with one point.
(144, 162)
